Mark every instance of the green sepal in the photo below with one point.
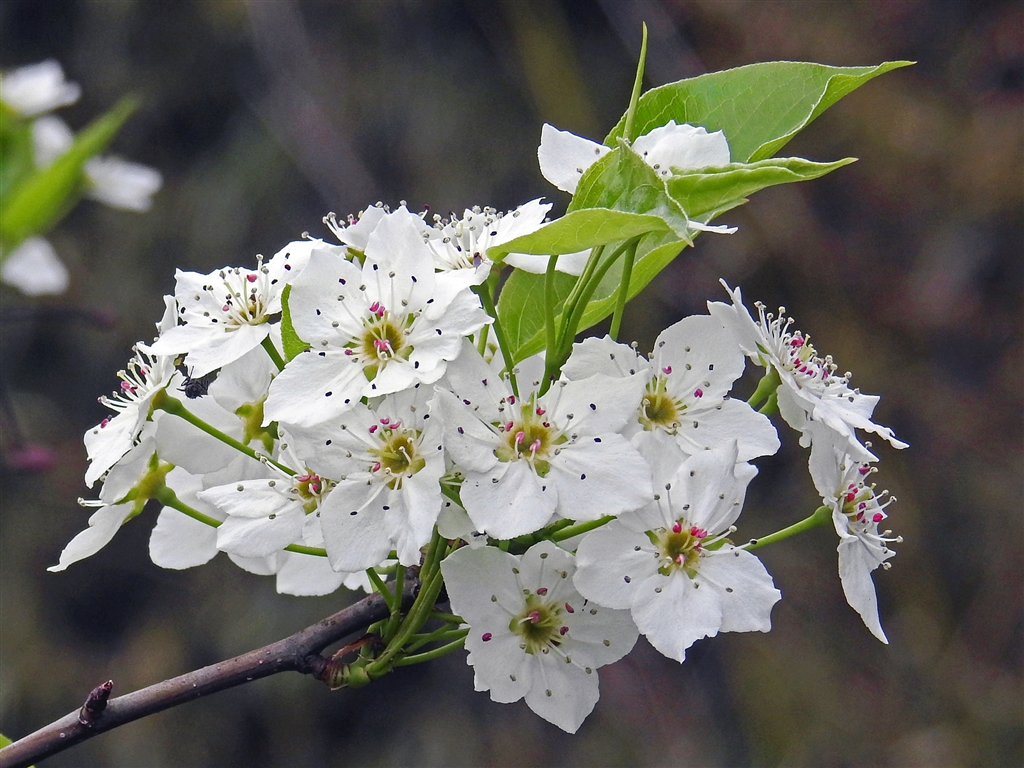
(760, 107)
(43, 198)
(293, 345)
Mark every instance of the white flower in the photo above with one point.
(810, 389)
(227, 313)
(565, 157)
(388, 462)
(146, 374)
(37, 88)
(684, 404)
(111, 180)
(115, 508)
(671, 564)
(375, 329)
(462, 243)
(179, 541)
(269, 513)
(531, 634)
(856, 513)
(526, 459)
(34, 268)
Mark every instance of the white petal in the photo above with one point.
(600, 476)
(103, 524)
(748, 607)
(35, 269)
(508, 501)
(565, 156)
(307, 575)
(856, 562)
(685, 147)
(178, 541)
(561, 693)
(679, 614)
(122, 184)
(610, 567)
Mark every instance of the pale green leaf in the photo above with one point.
(760, 107)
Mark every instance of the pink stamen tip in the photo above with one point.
(541, 411)
(304, 478)
(126, 387)
(373, 428)
(677, 528)
(698, 393)
(877, 517)
(376, 467)
(349, 352)
(382, 345)
(104, 423)
(486, 636)
(511, 399)
(851, 496)
(375, 306)
(395, 425)
(534, 617)
(535, 445)
(251, 278)
(569, 608)
(225, 308)
(700, 533)
(797, 341)
(508, 427)
(385, 421)
(542, 590)
(562, 630)
(520, 436)
(667, 370)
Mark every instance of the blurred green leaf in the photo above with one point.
(760, 107)
(713, 190)
(16, 160)
(45, 196)
(293, 345)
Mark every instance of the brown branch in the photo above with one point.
(299, 653)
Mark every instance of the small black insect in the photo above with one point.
(194, 388)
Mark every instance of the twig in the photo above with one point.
(299, 653)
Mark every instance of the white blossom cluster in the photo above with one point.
(594, 507)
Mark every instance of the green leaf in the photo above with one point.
(760, 107)
(713, 190)
(16, 161)
(293, 345)
(45, 196)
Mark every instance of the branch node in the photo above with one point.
(95, 703)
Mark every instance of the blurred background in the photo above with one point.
(906, 267)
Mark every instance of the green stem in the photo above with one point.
(627, 273)
(768, 384)
(578, 528)
(168, 498)
(549, 316)
(488, 301)
(637, 85)
(442, 633)
(822, 516)
(771, 405)
(380, 586)
(433, 654)
(450, 618)
(274, 354)
(396, 608)
(172, 405)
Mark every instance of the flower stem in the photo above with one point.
(771, 405)
(488, 301)
(627, 267)
(169, 498)
(578, 528)
(765, 387)
(274, 354)
(549, 316)
(419, 658)
(821, 516)
(164, 402)
(380, 586)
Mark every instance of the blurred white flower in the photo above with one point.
(37, 88)
(35, 269)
